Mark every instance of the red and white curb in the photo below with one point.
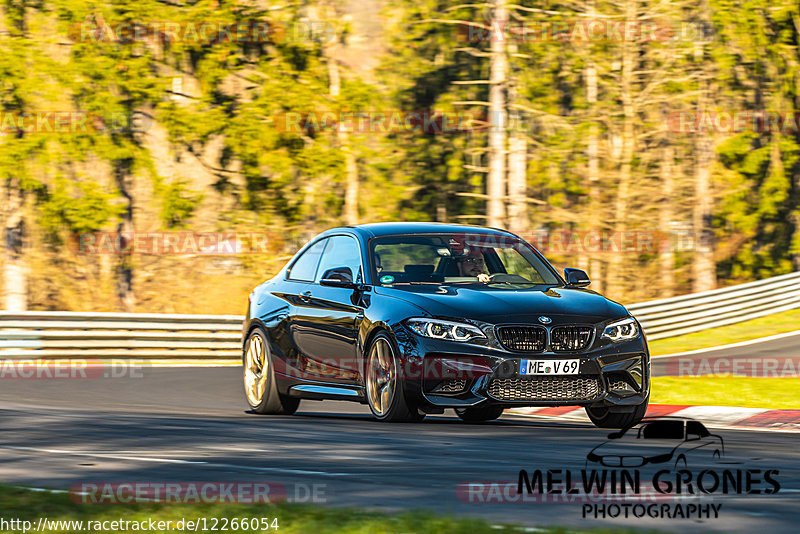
(729, 417)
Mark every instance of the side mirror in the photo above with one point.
(338, 277)
(576, 277)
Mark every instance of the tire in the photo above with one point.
(604, 417)
(479, 415)
(260, 389)
(384, 387)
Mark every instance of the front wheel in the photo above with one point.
(479, 415)
(385, 385)
(604, 417)
(260, 389)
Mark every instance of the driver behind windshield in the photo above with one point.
(473, 264)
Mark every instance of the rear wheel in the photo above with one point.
(605, 417)
(479, 415)
(385, 387)
(260, 389)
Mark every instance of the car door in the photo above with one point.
(295, 290)
(332, 316)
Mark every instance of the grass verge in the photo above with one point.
(772, 393)
(761, 327)
(17, 503)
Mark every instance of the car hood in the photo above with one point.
(485, 303)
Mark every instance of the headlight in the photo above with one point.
(621, 330)
(438, 329)
(660, 459)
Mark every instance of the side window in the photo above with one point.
(695, 430)
(306, 265)
(664, 430)
(342, 251)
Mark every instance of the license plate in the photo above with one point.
(549, 367)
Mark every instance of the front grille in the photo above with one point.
(451, 386)
(523, 338)
(553, 388)
(570, 338)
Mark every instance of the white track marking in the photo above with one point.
(107, 455)
(112, 456)
(729, 346)
(40, 490)
(578, 414)
(717, 415)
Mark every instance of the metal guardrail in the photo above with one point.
(209, 338)
(719, 307)
(120, 335)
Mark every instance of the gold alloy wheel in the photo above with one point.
(256, 370)
(381, 377)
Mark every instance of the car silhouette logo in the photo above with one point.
(676, 441)
(545, 320)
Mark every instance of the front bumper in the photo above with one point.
(449, 374)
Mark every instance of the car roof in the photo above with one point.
(393, 228)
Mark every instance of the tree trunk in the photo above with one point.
(351, 164)
(15, 272)
(441, 212)
(666, 255)
(703, 267)
(124, 268)
(15, 279)
(517, 183)
(593, 174)
(351, 187)
(496, 179)
(616, 269)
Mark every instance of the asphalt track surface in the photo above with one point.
(191, 424)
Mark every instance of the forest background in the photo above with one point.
(652, 143)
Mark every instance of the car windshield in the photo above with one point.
(458, 259)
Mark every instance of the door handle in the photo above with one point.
(305, 296)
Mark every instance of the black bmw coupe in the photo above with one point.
(414, 318)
